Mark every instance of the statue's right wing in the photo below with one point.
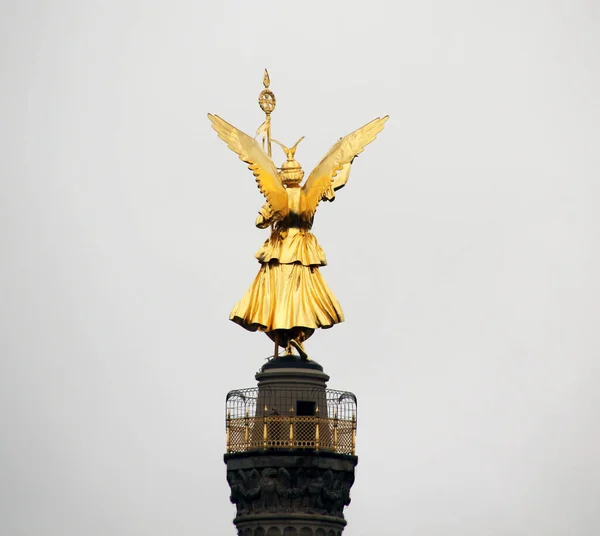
(263, 168)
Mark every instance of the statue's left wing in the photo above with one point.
(333, 171)
(263, 168)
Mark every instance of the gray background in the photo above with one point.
(464, 251)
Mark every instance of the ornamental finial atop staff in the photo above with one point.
(267, 102)
(289, 298)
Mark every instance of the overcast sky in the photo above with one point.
(464, 252)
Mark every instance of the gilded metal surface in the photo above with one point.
(289, 298)
(291, 432)
(267, 103)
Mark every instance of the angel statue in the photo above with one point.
(289, 298)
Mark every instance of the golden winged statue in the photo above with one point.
(289, 298)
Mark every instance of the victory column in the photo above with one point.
(290, 440)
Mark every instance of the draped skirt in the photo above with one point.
(290, 299)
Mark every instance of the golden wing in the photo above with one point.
(333, 171)
(263, 168)
(339, 181)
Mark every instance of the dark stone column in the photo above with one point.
(290, 493)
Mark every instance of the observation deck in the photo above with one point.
(295, 418)
(291, 409)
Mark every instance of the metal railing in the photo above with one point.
(291, 432)
(251, 427)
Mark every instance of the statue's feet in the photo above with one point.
(300, 347)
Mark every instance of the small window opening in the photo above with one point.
(305, 408)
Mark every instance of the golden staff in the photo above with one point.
(266, 101)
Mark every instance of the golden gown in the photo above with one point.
(288, 297)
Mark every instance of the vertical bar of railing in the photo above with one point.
(353, 432)
(317, 429)
(265, 428)
(228, 426)
(247, 430)
(291, 444)
(335, 431)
